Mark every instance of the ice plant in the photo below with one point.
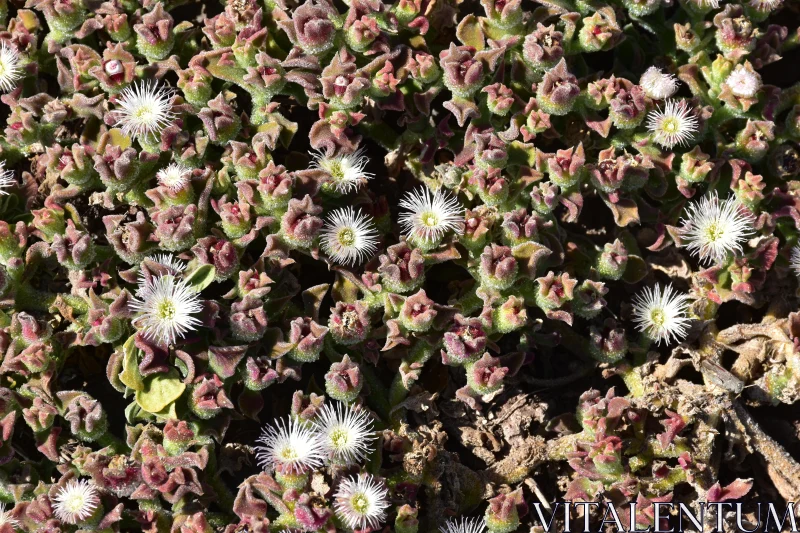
(674, 125)
(661, 314)
(715, 229)
(427, 216)
(346, 433)
(361, 502)
(174, 176)
(76, 501)
(144, 109)
(765, 5)
(10, 67)
(657, 84)
(171, 263)
(464, 525)
(6, 179)
(794, 260)
(6, 519)
(164, 307)
(346, 171)
(289, 447)
(744, 82)
(349, 236)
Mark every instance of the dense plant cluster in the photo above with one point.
(362, 265)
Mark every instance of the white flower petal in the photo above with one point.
(713, 228)
(345, 433)
(661, 315)
(349, 236)
(164, 308)
(428, 216)
(675, 125)
(76, 501)
(289, 446)
(361, 502)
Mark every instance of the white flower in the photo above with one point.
(174, 177)
(744, 82)
(766, 5)
(661, 316)
(714, 228)
(173, 264)
(674, 125)
(361, 502)
(464, 525)
(348, 236)
(345, 434)
(795, 260)
(6, 179)
(428, 216)
(346, 170)
(165, 306)
(10, 68)
(708, 3)
(289, 446)
(144, 109)
(658, 85)
(75, 501)
(6, 519)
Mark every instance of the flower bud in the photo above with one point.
(406, 521)
(465, 342)
(131, 240)
(477, 227)
(543, 47)
(607, 344)
(307, 337)
(175, 227)
(270, 192)
(612, 261)
(498, 268)
(208, 397)
(463, 74)
(75, 248)
(236, 220)
(86, 417)
(311, 27)
(40, 415)
(695, 165)
(220, 120)
(510, 316)
(218, 252)
(178, 436)
(195, 82)
(499, 99)
(628, 108)
(402, 268)
(502, 515)
(544, 197)
(554, 291)
(600, 31)
(753, 141)
(258, 373)
(154, 34)
(566, 167)
(589, 298)
(248, 319)
(736, 34)
(300, 225)
(558, 90)
(486, 375)
(349, 323)
(344, 382)
(418, 312)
